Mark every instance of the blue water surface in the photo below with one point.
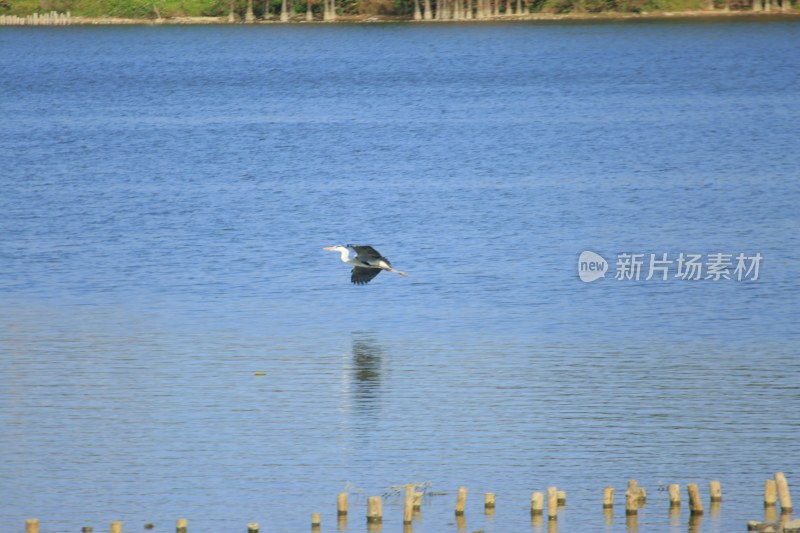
(166, 195)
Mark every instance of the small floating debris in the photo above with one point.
(259, 374)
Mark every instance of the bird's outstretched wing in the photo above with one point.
(367, 254)
(362, 276)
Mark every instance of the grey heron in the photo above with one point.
(367, 263)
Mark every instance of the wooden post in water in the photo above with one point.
(182, 525)
(631, 501)
(642, 495)
(674, 495)
(461, 500)
(32, 525)
(561, 497)
(408, 505)
(695, 503)
(86, 529)
(341, 511)
(783, 492)
(316, 520)
(116, 527)
(374, 509)
(488, 501)
(608, 497)
(418, 500)
(715, 490)
(537, 504)
(769, 493)
(341, 504)
(252, 527)
(552, 503)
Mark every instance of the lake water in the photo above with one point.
(166, 195)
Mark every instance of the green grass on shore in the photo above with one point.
(151, 9)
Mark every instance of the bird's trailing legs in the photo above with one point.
(398, 272)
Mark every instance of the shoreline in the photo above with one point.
(378, 19)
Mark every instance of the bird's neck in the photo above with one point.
(345, 255)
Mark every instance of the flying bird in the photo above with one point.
(367, 263)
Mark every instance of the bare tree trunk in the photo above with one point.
(249, 17)
(468, 9)
(519, 7)
(284, 12)
(428, 15)
(756, 5)
(496, 8)
(232, 12)
(786, 5)
(417, 12)
(309, 14)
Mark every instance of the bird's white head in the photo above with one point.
(344, 252)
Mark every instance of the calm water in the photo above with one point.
(166, 195)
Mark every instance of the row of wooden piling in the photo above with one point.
(776, 490)
(38, 19)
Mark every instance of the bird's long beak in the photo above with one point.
(329, 248)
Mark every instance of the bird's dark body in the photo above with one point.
(371, 259)
(368, 254)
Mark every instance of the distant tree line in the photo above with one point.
(252, 10)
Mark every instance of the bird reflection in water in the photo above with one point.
(367, 369)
